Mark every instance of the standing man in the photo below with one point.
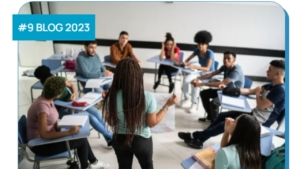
(89, 65)
(121, 49)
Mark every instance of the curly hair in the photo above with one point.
(169, 37)
(204, 37)
(53, 87)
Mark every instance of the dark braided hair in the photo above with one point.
(128, 77)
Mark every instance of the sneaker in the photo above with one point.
(156, 85)
(194, 143)
(193, 108)
(185, 103)
(99, 165)
(185, 136)
(171, 87)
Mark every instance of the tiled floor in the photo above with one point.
(169, 151)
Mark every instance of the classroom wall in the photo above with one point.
(32, 52)
(255, 31)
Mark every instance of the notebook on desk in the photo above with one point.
(206, 158)
(235, 102)
(90, 97)
(69, 121)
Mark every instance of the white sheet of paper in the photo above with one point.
(236, 102)
(68, 121)
(94, 83)
(196, 165)
(90, 97)
(264, 132)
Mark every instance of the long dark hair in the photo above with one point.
(128, 78)
(246, 138)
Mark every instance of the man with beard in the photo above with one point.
(89, 65)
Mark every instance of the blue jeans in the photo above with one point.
(216, 127)
(98, 90)
(95, 118)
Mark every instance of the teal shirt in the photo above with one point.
(89, 66)
(227, 158)
(151, 107)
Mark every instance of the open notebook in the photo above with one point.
(90, 97)
(69, 121)
(231, 101)
(264, 132)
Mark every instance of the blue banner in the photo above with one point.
(77, 27)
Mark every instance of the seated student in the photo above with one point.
(170, 51)
(89, 65)
(121, 49)
(233, 77)
(206, 60)
(42, 119)
(270, 98)
(240, 145)
(43, 73)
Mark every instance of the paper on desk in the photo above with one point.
(94, 83)
(264, 132)
(90, 97)
(236, 102)
(196, 165)
(68, 121)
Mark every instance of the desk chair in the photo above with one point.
(275, 117)
(173, 75)
(22, 139)
(52, 64)
(107, 58)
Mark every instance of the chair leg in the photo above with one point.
(31, 93)
(98, 135)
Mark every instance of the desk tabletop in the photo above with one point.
(30, 73)
(168, 62)
(62, 58)
(265, 148)
(247, 108)
(109, 64)
(84, 132)
(106, 79)
(69, 104)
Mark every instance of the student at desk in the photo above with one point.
(270, 98)
(170, 51)
(206, 60)
(122, 49)
(96, 121)
(233, 77)
(130, 112)
(42, 119)
(89, 65)
(240, 145)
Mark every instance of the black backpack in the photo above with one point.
(231, 91)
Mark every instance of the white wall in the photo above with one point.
(32, 52)
(232, 24)
(249, 25)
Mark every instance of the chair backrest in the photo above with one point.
(181, 54)
(107, 58)
(52, 64)
(248, 83)
(22, 130)
(216, 65)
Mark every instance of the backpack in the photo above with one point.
(277, 158)
(231, 91)
(70, 64)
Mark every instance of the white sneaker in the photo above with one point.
(99, 165)
(193, 108)
(185, 103)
